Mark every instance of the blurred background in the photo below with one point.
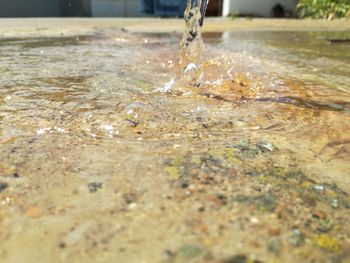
(138, 8)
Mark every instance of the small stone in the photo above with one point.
(274, 231)
(296, 239)
(201, 209)
(129, 198)
(3, 186)
(318, 188)
(94, 187)
(263, 146)
(184, 184)
(275, 246)
(168, 254)
(62, 245)
(319, 214)
(33, 212)
(335, 203)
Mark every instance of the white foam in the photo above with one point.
(167, 86)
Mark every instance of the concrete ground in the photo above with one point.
(97, 165)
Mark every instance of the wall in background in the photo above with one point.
(256, 7)
(29, 8)
(75, 7)
(96, 8)
(115, 8)
(44, 8)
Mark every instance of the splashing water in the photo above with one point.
(191, 45)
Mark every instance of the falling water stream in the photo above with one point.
(192, 46)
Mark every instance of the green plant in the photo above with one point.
(328, 9)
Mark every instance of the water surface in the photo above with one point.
(99, 165)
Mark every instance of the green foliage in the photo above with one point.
(328, 9)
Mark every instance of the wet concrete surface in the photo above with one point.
(98, 165)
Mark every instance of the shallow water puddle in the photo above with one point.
(99, 165)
